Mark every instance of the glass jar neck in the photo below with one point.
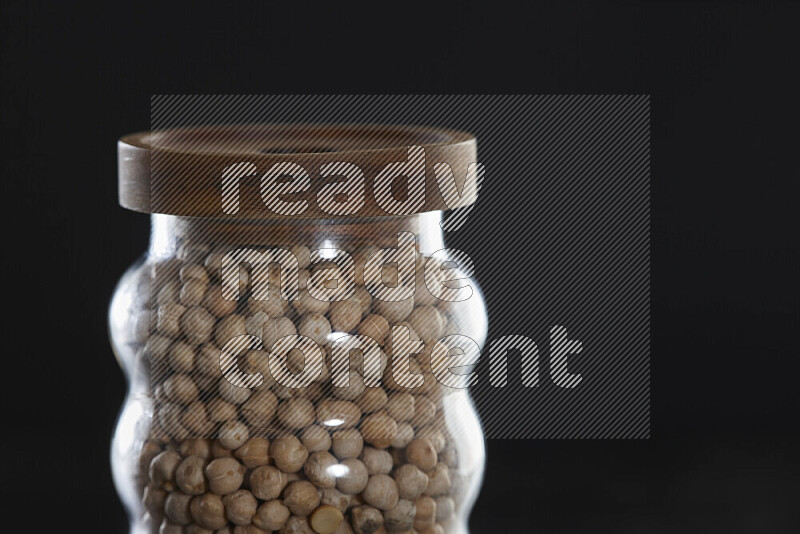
(169, 232)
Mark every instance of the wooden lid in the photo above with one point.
(180, 171)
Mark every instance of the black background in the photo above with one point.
(725, 436)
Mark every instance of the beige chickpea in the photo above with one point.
(318, 469)
(338, 414)
(439, 481)
(347, 443)
(426, 512)
(192, 292)
(195, 419)
(220, 410)
(267, 482)
(421, 453)
(378, 461)
(218, 451)
(256, 323)
(401, 517)
(297, 525)
(233, 434)
(445, 508)
(354, 478)
(275, 329)
(168, 318)
(190, 477)
(233, 394)
(434, 528)
(271, 515)
(169, 292)
(288, 453)
(373, 400)
(216, 304)
(344, 315)
(326, 519)
(364, 299)
(240, 507)
(376, 327)
(393, 311)
(228, 328)
(260, 409)
(153, 500)
(401, 406)
(162, 469)
(405, 433)
(208, 511)
(381, 492)
(157, 349)
(176, 508)
(427, 322)
(315, 327)
(411, 481)
(315, 438)
(197, 324)
(168, 527)
(366, 519)
(225, 475)
(379, 429)
(424, 411)
(434, 435)
(253, 453)
(303, 255)
(301, 497)
(180, 388)
(336, 498)
(181, 357)
(296, 413)
(193, 271)
(306, 304)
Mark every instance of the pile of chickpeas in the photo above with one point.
(320, 459)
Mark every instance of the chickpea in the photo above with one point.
(216, 304)
(168, 527)
(288, 453)
(228, 328)
(377, 461)
(240, 507)
(218, 451)
(189, 475)
(153, 500)
(301, 497)
(180, 388)
(197, 324)
(394, 312)
(233, 394)
(254, 452)
(208, 511)
(373, 399)
(345, 315)
(445, 508)
(176, 508)
(225, 475)
(366, 519)
(317, 469)
(354, 479)
(381, 492)
(426, 512)
(316, 327)
(334, 497)
(260, 409)
(267, 482)
(434, 435)
(439, 481)
(424, 411)
(354, 389)
(296, 413)
(192, 292)
(233, 434)
(271, 515)
(305, 304)
(162, 469)
(275, 329)
(405, 433)
(421, 453)
(400, 406)
(195, 418)
(376, 327)
(401, 517)
(411, 481)
(338, 414)
(315, 438)
(427, 322)
(297, 525)
(168, 318)
(379, 429)
(347, 443)
(221, 410)
(181, 357)
(326, 519)
(364, 300)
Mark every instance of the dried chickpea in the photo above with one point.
(315, 438)
(372, 400)
(189, 475)
(334, 497)
(305, 304)
(434, 435)
(379, 429)
(233, 394)
(426, 512)
(345, 315)
(400, 406)
(168, 527)
(193, 271)
(162, 469)
(375, 326)
(393, 311)
(378, 461)
(405, 433)
(168, 318)
(347, 443)
(296, 413)
(297, 525)
(381, 492)
(366, 519)
(338, 414)
(153, 500)
(326, 519)
(315, 327)
(225, 475)
(181, 357)
(318, 469)
(421, 453)
(288, 453)
(352, 477)
(301, 497)
(427, 322)
(180, 388)
(445, 508)
(240, 507)
(208, 511)
(260, 409)
(197, 324)
(401, 517)
(220, 410)
(267, 482)
(271, 515)
(218, 451)
(192, 292)
(424, 411)
(216, 304)
(439, 481)
(176, 508)
(229, 328)
(233, 434)
(254, 452)
(355, 387)
(411, 481)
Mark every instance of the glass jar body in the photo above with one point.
(213, 439)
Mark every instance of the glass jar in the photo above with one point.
(255, 408)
